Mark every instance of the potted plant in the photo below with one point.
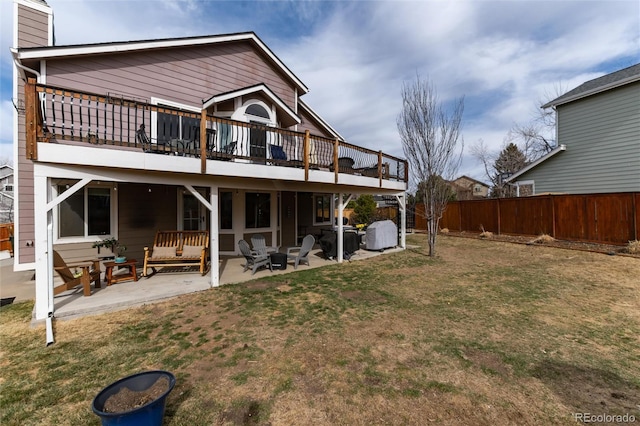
(116, 247)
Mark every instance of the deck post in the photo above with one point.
(31, 114)
(306, 154)
(203, 141)
(336, 166)
(380, 168)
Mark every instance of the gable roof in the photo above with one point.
(545, 157)
(49, 52)
(470, 179)
(598, 85)
(306, 108)
(258, 88)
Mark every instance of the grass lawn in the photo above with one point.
(487, 333)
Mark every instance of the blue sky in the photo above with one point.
(503, 56)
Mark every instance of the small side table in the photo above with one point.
(129, 264)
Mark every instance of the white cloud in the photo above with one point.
(504, 56)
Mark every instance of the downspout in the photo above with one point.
(49, 319)
(16, 61)
(50, 305)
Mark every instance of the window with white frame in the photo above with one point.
(89, 212)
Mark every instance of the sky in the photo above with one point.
(504, 57)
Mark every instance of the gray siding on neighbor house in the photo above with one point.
(185, 75)
(602, 136)
(34, 29)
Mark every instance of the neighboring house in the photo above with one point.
(467, 188)
(598, 134)
(126, 138)
(6, 194)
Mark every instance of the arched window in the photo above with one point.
(257, 110)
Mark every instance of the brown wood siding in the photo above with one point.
(287, 221)
(33, 27)
(141, 213)
(25, 206)
(227, 242)
(33, 31)
(187, 75)
(308, 123)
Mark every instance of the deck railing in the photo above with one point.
(58, 114)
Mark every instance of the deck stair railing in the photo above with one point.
(59, 114)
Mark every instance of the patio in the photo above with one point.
(164, 285)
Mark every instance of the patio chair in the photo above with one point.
(254, 261)
(143, 139)
(302, 252)
(260, 245)
(90, 272)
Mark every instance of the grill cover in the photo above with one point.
(381, 235)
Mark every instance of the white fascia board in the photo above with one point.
(320, 120)
(253, 89)
(550, 154)
(594, 91)
(36, 5)
(131, 46)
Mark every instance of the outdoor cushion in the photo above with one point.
(191, 251)
(277, 153)
(163, 252)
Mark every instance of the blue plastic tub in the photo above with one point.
(150, 414)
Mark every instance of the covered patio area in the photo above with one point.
(168, 284)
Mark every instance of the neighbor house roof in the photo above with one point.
(545, 157)
(470, 179)
(598, 85)
(48, 52)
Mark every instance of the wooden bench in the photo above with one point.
(177, 248)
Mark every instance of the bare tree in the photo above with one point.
(499, 166)
(431, 141)
(538, 136)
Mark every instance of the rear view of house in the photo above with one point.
(202, 133)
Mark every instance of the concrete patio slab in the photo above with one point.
(146, 290)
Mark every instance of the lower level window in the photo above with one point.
(257, 210)
(85, 213)
(322, 209)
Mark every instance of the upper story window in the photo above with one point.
(257, 110)
(165, 127)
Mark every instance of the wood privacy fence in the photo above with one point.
(601, 218)
(6, 232)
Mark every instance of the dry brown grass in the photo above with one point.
(633, 247)
(489, 333)
(543, 239)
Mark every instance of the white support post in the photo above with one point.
(44, 271)
(214, 235)
(402, 203)
(340, 236)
